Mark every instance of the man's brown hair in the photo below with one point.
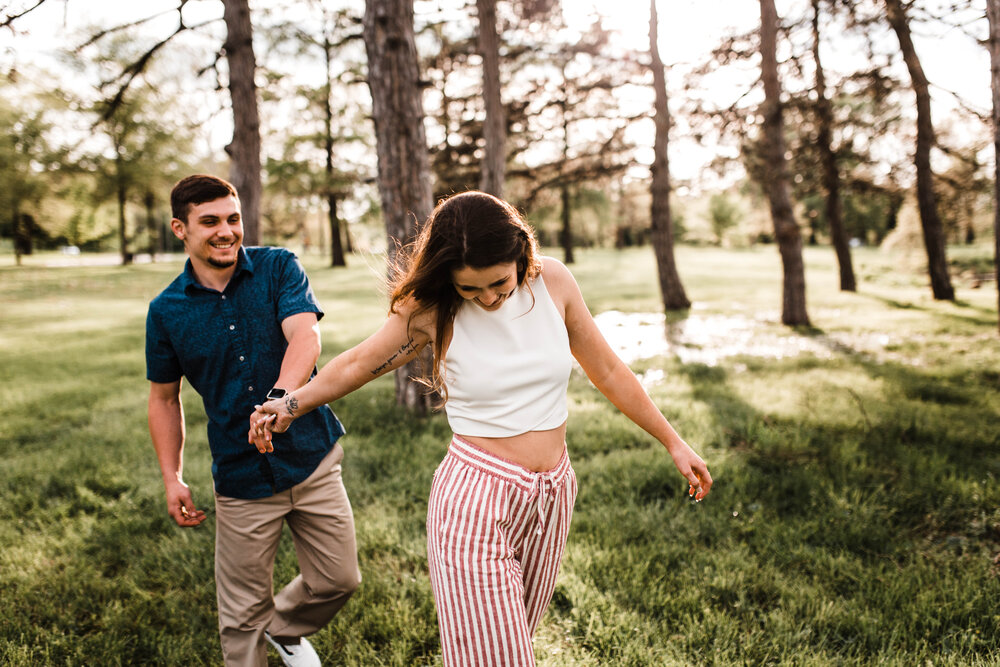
(198, 189)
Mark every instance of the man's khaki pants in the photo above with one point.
(319, 515)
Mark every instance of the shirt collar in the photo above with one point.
(243, 264)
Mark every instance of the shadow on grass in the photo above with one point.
(986, 316)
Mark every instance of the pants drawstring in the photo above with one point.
(542, 484)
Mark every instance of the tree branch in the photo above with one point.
(9, 19)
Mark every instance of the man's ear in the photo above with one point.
(178, 228)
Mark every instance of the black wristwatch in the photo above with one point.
(276, 392)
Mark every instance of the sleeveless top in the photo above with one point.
(507, 370)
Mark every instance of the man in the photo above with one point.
(241, 324)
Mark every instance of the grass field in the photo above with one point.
(855, 518)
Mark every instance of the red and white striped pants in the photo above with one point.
(496, 533)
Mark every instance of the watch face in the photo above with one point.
(275, 393)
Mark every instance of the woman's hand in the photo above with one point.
(694, 470)
(272, 417)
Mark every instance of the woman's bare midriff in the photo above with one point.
(538, 451)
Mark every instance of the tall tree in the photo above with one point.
(662, 227)
(930, 221)
(565, 198)
(337, 257)
(329, 117)
(24, 146)
(993, 13)
(494, 129)
(786, 230)
(244, 149)
(143, 155)
(404, 174)
(573, 113)
(831, 172)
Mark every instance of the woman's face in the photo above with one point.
(488, 288)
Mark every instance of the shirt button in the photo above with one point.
(249, 388)
(242, 358)
(232, 326)
(223, 297)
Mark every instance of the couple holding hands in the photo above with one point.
(505, 325)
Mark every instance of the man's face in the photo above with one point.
(213, 232)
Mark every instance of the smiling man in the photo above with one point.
(241, 324)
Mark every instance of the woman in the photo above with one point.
(504, 325)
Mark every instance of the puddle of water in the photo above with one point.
(708, 339)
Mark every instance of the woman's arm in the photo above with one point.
(615, 379)
(396, 342)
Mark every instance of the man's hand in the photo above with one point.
(181, 507)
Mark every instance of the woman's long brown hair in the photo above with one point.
(470, 229)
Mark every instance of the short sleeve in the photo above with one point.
(162, 364)
(295, 295)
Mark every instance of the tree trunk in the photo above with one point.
(336, 247)
(16, 234)
(993, 12)
(244, 150)
(152, 229)
(404, 175)
(934, 241)
(566, 233)
(831, 174)
(494, 128)
(121, 196)
(786, 231)
(662, 227)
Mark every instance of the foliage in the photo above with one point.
(723, 214)
(854, 518)
(28, 160)
(319, 143)
(576, 102)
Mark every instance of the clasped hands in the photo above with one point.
(266, 419)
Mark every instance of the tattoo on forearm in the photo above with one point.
(291, 404)
(404, 349)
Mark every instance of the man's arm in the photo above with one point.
(166, 427)
(302, 333)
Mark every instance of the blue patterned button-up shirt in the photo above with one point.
(229, 345)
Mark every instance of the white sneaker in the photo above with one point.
(295, 655)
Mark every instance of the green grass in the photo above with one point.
(855, 518)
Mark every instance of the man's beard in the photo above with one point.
(221, 264)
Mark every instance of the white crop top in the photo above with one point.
(507, 370)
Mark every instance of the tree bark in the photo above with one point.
(152, 229)
(404, 175)
(566, 232)
(337, 257)
(336, 244)
(930, 221)
(786, 231)
(16, 234)
(244, 150)
(121, 196)
(993, 13)
(831, 174)
(662, 227)
(494, 128)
